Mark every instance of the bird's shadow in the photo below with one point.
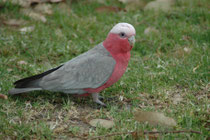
(51, 97)
(57, 98)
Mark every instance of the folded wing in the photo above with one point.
(89, 70)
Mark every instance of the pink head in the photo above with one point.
(120, 39)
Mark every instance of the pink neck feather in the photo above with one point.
(116, 45)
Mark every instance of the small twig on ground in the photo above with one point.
(76, 136)
(143, 133)
(165, 132)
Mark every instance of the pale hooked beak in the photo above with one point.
(131, 40)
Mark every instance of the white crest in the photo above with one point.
(127, 28)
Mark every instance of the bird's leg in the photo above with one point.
(100, 97)
(96, 99)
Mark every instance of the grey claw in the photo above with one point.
(101, 98)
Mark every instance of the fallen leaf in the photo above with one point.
(15, 22)
(109, 9)
(27, 29)
(44, 8)
(2, 96)
(154, 118)
(34, 15)
(21, 62)
(150, 30)
(159, 5)
(104, 123)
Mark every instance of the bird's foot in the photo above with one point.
(96, 99)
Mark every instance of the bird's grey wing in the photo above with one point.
(89, 70)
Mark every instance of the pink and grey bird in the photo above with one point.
(90, 72)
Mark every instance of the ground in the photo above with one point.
(168, 71)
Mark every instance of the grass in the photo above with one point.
(175, 61)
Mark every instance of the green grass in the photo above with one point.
(174, 61)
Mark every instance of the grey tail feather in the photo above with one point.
(33, 81)
(22, 90)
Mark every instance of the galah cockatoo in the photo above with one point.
(90, 72)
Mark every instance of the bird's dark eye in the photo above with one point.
(122, 34)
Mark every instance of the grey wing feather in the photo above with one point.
(89, 70)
